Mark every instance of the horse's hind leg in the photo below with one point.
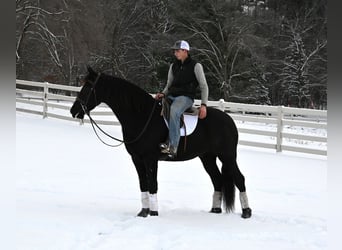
(231, 169)
(209, 163)
(240, 184)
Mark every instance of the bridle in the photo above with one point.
(84, 103)
(93, 122)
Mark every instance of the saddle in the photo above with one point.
(189, 117)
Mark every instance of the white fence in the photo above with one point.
(274, 127)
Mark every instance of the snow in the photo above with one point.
(73, 192)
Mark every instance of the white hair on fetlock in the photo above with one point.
(217, 199)
(145, 199)
(153, 202)
(244, 200)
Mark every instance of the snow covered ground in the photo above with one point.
(73, 192)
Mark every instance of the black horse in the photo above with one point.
(144, 129)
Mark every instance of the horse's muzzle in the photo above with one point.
(79, 115)
(76, 111)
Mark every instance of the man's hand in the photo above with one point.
(202, 111)
(159, 96)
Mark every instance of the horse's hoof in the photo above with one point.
(154, 213)
(216, 210)
(144, 212)
(246, 213)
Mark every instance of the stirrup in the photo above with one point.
(170, 151)
(163, 146)
(165, 150)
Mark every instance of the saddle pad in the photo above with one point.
(190, 122)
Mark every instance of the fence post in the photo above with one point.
(221, 105)
(45, 99)
(280, 116)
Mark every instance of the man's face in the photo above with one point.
(181, 54)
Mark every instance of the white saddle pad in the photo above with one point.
(190, 124)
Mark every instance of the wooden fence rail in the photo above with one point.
(274, 127)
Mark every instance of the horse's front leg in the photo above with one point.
(143, 183)
(151, 166)
(147, 173)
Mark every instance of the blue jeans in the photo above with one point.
(178, 106)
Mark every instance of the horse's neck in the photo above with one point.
(131, 112)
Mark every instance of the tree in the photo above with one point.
(305, 40)
(249, 48)
(294, 79)
(226, 41)
(30, 25)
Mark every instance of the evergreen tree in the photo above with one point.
(294, 79)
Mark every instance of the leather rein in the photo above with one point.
(94, 123)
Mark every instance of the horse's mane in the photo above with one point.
(127, 94)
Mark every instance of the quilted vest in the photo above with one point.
(184, 79)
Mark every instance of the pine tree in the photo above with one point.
(294, 79)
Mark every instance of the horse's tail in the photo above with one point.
(228, 187)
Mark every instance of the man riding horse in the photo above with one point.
(184, 76)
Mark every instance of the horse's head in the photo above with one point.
(86, 99)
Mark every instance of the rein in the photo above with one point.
(93, 122)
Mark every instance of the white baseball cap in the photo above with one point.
(181, 44)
